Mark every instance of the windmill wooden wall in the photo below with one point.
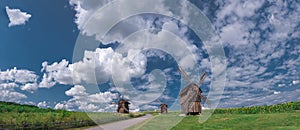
(190, 100)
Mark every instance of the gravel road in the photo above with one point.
(121, 125)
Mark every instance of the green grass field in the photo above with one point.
(284, 121)
(279, 116)
(283, 116)
(243, 121)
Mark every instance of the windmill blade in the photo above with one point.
(206, 100)
(203, 76)
(184, 75)
(124, 92)
(117, 96)
(167, 100)
(158, 101)
(121, 94)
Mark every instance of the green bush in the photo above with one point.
(135, 115)
(152, 112)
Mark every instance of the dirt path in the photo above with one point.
(120, 125)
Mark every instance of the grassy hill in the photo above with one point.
(19, 108)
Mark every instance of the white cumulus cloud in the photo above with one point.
(16, 16)
(295, 82)
(94, 68)
(42, 104)
(13, 79)
(77, 90)
(84, 101)
(56, 73)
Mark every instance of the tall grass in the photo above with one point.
(278, 108)
(41, 119)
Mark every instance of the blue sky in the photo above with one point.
(52, 54)
(49, 29)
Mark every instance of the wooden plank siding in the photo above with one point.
(190, 101)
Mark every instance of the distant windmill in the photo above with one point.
(191, 95)
(123, 105)
(163, 107)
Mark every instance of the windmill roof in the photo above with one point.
(188, 88)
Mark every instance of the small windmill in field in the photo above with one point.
(123, 105)
(191, 95)
(163, 107)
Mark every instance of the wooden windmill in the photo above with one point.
(191, 95)
(163, 108)
(123, 105)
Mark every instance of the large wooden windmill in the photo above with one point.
(191, 95)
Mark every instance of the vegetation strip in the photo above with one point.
(279, 116)
(277, 108)
(16, 116)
